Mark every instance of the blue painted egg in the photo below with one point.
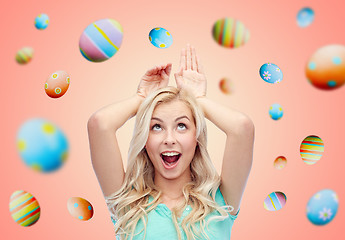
(305, 17)
(276, 111)
(160, 37)
(271, 73)
(42, 21)
(322, 207)
(42, 145)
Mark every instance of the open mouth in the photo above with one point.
(170, 161)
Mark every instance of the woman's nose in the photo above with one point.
(169, 138)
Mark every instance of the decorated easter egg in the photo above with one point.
(24, 208)
(271, 73)
(276, 111)
(160, 37)
(322, 207)
(275, 201)
(326, 67)
(42, 145)
(280, 162)
(101, 40)
(230, 33)
(42, 21)
(24, 55)
(225, 85)
(305, 17)
(57, 84)
(311, 149)
(80, 208)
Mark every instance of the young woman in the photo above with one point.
(171, 189)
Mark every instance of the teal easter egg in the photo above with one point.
(322, 207)
(160, 37)
(42, 145)
(101, 40)
(276, 111)
(42, 21)
(271, 73)
(305, 17)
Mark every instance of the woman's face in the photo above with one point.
(172, 140)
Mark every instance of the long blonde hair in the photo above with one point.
(131, 202)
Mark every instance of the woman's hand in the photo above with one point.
(191, 74)
(155, 78)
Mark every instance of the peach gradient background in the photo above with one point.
(275, 37)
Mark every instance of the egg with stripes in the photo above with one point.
(230, 33)
(311, 149)
(25, 209)
(80, 208)
(24, 55)
(101, 40)
(275, 201)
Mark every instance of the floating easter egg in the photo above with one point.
(24, 208)
(271, 73)
(101, 40)
(322, 207)
(42, 145)
(225, 85)
(160, 37)
(305, 17)
(24, 55)
(80, 208)
(57, 84)
(230, 33)
(42, 21)
(276, 111)
(275, 201)
(311, 149)
(326, 67)
(280, 162)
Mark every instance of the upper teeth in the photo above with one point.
(170, 154)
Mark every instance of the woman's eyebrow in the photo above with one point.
(160, 120)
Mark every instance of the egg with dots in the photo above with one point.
(230, 33)
(101, 40)
(57, 84)
(326, 67)
(280, 162)
(276, 111)
(160, 38)
(225, 86)
(322, 207)
(24, 55)
(275, 201)
(42, 21)
(25, 209)
(42, 145)
(311, 149)
(80, 208)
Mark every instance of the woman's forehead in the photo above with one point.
(172, 109)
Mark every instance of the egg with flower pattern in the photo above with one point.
(271, 73)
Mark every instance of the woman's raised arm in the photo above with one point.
(103, 124)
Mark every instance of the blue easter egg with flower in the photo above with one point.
(276, 111)
(271, 73)
(42, 145)
(322, 207)
(42, 21)
(160, 37)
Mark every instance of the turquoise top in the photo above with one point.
(160, 224)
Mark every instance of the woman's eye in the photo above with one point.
(181, 126)
(156, 127)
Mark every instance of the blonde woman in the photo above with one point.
(171, 189)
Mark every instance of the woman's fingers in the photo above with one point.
(183, 59)
(200, 67)
(188, 58)
(194, 61)
(168, 69)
